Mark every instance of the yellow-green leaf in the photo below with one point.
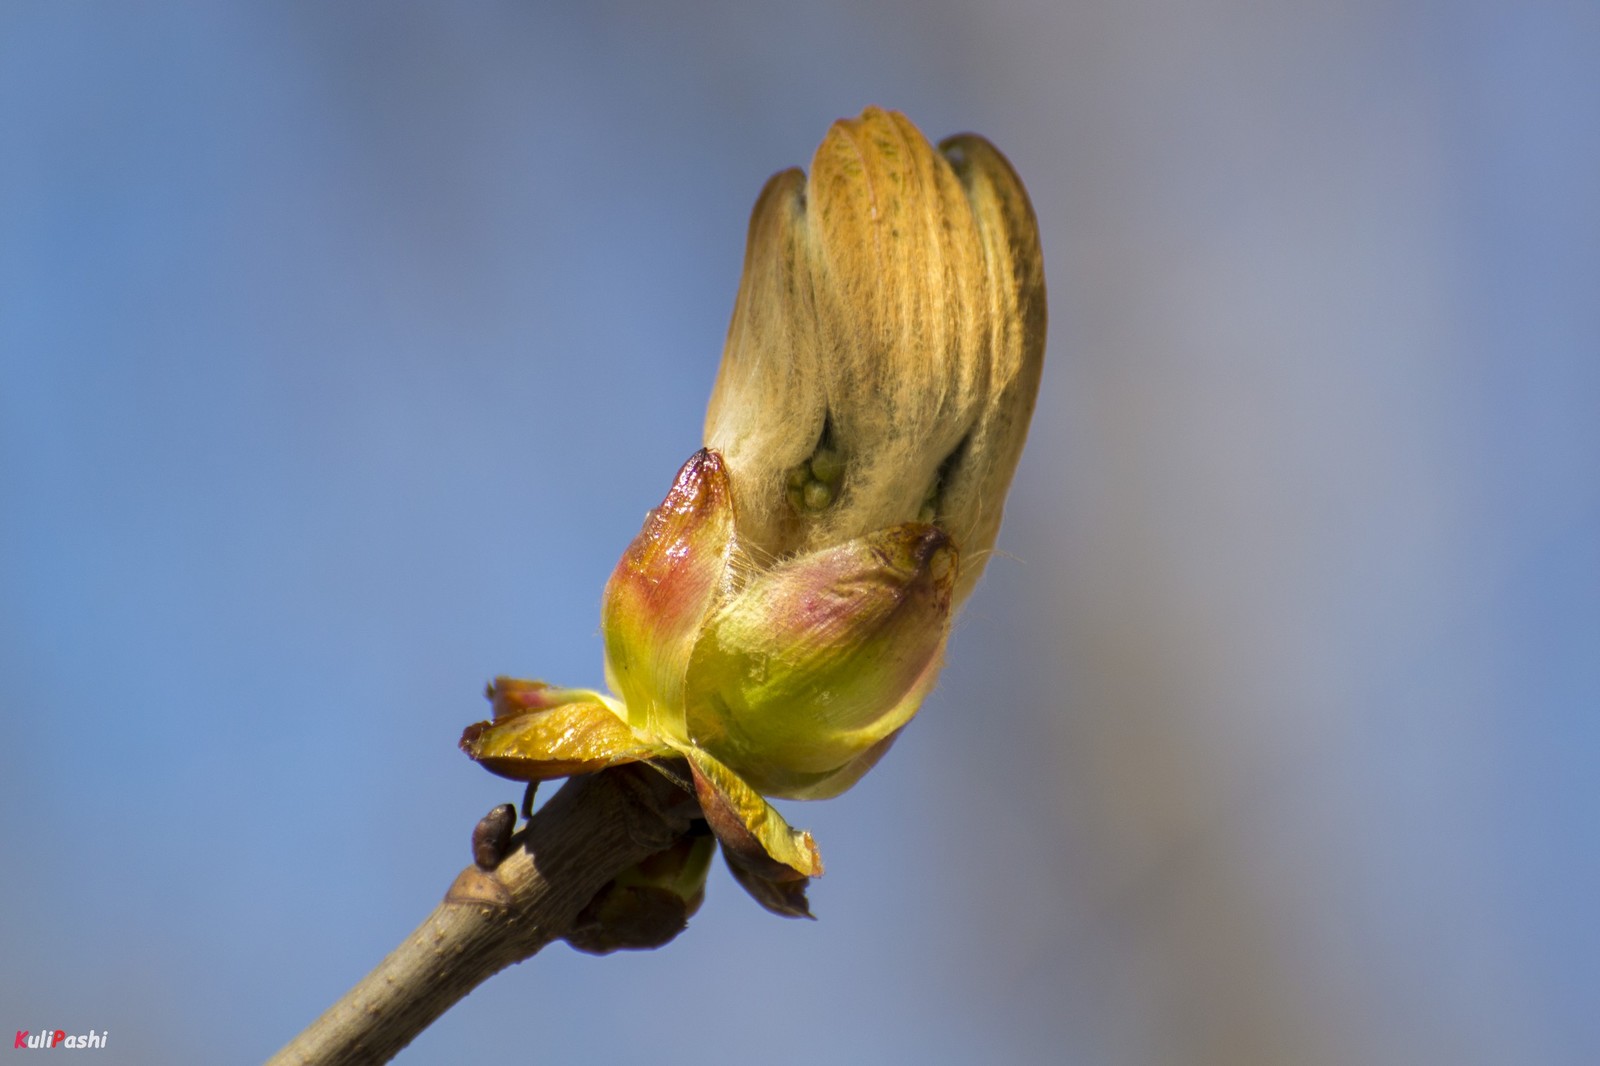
(751, 829)
(539, 733)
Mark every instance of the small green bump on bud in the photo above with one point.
(813, 486)
(827, 465)
(817, 495)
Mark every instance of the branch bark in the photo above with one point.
(590, 831)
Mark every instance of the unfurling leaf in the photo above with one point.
(539, 733)
(751, 830)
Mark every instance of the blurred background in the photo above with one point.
(343, 348)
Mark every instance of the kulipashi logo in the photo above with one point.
(54, 1038)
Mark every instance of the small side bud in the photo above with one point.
(491, 837)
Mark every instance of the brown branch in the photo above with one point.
(590, 831)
